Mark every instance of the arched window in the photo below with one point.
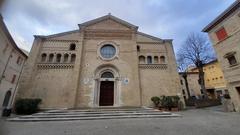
(51, 56)
(7, 98)
(44, 57)
(141, 59)
(107, 75)
(72, 47)
(155, 59)
(65, 58)
(58, 58)
(149, 60)
(138, 48)
(162, 59)
(73, 58)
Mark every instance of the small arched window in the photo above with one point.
(149, 60)
(58, 58)
(73, 58)
(51, 56)
(141, 59)
(107, 75)
(155, 59)
(65, 58)
(72, 47)
(7, 98)
(43, 57)
(138, 48)
(162, 59)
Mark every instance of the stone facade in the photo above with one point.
(194, 87)
(68, 70)
(224, 33)
(11, 62)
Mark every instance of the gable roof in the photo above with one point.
(58, 34)
(154, 38)
(221, 17)
(109, 16)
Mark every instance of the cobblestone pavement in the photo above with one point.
(209, 121)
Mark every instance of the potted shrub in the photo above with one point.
(156, 101)
(175, 100)
(167, 102)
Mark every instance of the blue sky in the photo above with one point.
(170, 19)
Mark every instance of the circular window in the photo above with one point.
(108, 51)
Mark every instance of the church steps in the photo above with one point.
(79, 115)
(98, 112)
(90, 115)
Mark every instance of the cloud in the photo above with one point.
(173, 19)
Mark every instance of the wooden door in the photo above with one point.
(106, 93)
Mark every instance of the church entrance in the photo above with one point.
(106, 88)
(106, 93)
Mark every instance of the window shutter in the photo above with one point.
(221, 34)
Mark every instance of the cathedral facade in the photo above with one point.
(106, 62)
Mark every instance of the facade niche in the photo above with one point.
(73, 58)
(65, 58)
(149, 60)
(162, 59)
(51, 56)
(44, 57)
(155, 59)
(58, 58)
(141, 59)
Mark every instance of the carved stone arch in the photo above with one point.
(51, 57)
(106, 68)
(58, 57)
(141, 59)
(162, 59)
(113, 81)
(149, 59)
(155, 59)
(65, 57)
(43, 57)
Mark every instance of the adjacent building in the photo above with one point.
(224, 33)
(215, 82)
(190, 80)
(11, 62)
(106, 62)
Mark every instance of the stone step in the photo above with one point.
(93, 114)
(92, 118)
(99, 110)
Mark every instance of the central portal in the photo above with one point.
(106, 93)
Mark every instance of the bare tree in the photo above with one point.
(197, 51)
(182, 66)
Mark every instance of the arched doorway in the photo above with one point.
(7, 98)
(106, 90)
